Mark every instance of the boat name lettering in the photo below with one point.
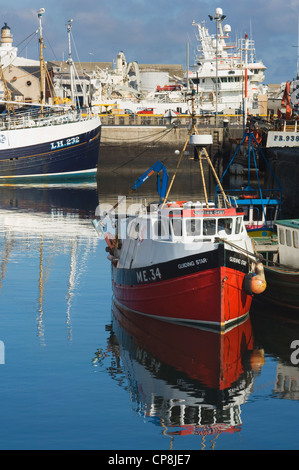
(2, 139)
(65, 143)
(287, 138)
(209, 212)
(148, 275)
(190, 264)
(232, 259)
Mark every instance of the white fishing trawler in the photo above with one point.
(45, 141)
(224, 70)
(221, 75)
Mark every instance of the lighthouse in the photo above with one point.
(7, 52)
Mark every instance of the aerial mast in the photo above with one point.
(70, 61)
(246, 80)
(41, 58)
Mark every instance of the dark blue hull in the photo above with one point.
(71, 157)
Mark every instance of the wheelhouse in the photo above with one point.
(188, 223)
(259, 213)
(288, 242)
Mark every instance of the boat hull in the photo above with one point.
(282, 287)
(66, 150)
(212, 295)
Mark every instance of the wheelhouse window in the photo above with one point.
(238, 225)
(193, 227)
(225, 225)
(289, 237)
(258, 213)
(246, 213)
(281, 236)
(270, 213)
(295, 239)
(209, 227)
(175, 219)
(161, 229)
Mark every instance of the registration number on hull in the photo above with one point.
(65, 143)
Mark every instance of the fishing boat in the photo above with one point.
(47, 142)
(218, 73)
(261, 206)
(183, 261)
(283, 137)
(186, 263)
(282, 275)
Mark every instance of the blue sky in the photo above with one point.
(155, 31)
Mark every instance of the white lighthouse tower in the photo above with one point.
(8, 53)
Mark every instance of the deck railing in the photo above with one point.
(235, 120)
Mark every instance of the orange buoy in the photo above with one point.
(258, 281)
(258, 284)
(110, 240)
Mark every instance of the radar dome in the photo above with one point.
(218, 12)
(227, 28)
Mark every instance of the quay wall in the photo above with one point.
(130, 146)
(126, 152)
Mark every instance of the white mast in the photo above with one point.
(70, 61)
(41, 58)
(246, 79)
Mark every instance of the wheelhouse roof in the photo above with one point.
(289, 223)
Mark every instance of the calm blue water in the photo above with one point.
(74, 378)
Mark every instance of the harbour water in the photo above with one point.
(76, 374)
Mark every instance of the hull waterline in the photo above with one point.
(67, 150)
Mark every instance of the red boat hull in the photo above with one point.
(213, 297)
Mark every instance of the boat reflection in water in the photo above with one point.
(278, 332)
(53, 223)
(191, 381)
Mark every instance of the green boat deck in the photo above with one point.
(267, 246)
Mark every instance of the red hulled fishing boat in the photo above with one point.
(186, 263)
(183, 261)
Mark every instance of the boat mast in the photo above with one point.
(70, 61)
(7, 95)
(246, 80)
(41, 59)
(218, 18)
